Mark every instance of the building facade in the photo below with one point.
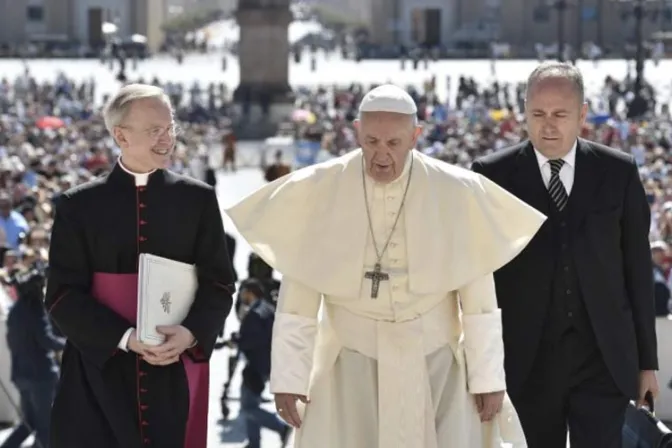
(520, 23)
(82, 20)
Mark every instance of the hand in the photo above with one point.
(286, 407)
(489, 404)
(136, 346)
(647, 383)
(178, 339)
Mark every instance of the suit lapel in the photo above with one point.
(527, 182)
(588, 177)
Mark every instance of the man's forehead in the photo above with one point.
(551, 85)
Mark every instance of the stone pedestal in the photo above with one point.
(264, 92)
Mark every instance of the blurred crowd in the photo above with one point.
(52, 137)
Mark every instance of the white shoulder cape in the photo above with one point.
(311, 225)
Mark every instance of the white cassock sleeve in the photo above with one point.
(483, 344)
(294, 334)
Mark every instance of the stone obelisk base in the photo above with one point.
(264, 94)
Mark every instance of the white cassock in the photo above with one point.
(397, 371)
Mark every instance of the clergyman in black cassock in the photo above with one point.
(577, 303)
(109, 397)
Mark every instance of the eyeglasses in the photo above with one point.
(156, 132)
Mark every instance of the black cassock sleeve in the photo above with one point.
(91, 327)
(215, 282)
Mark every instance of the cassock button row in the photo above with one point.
(569, 291)
(141, 205)
(142, 238)
(143, 222)
(570, 314)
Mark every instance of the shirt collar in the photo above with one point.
(140, 178)
(569, 158)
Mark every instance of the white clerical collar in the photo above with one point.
(569, 158)
(140, 178)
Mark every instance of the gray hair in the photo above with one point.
(558, 70)
(117, 107)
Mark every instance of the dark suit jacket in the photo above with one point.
(609, 221)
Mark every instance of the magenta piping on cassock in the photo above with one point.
(119, 292)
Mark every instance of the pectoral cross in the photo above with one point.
(376, 276)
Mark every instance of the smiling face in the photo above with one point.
(147, 135)
(555, 114)
(386, 139)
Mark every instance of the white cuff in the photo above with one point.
(292, 353)
(484, 350)
(123, 343)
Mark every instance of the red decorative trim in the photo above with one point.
(140, 390)
(146, 441)
(115, 351)
(137, 215)
(53, 305)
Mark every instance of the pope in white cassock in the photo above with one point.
(398, 249)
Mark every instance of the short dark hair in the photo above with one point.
(254, 286)
(558, 70)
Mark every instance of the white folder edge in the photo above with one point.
(141, 322)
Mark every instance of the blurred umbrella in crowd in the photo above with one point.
(50, 123)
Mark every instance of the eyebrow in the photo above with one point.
(564, 111)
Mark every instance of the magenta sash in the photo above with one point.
(119, 292)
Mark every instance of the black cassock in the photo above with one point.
(109, 398)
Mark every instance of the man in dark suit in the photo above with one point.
(577, 303)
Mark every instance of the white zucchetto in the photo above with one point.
(388, 98)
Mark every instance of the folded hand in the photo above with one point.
(178, 339)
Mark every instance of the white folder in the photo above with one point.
(166, 290)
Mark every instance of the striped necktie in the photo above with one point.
(555, 187)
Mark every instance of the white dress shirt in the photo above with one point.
(566, 172)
